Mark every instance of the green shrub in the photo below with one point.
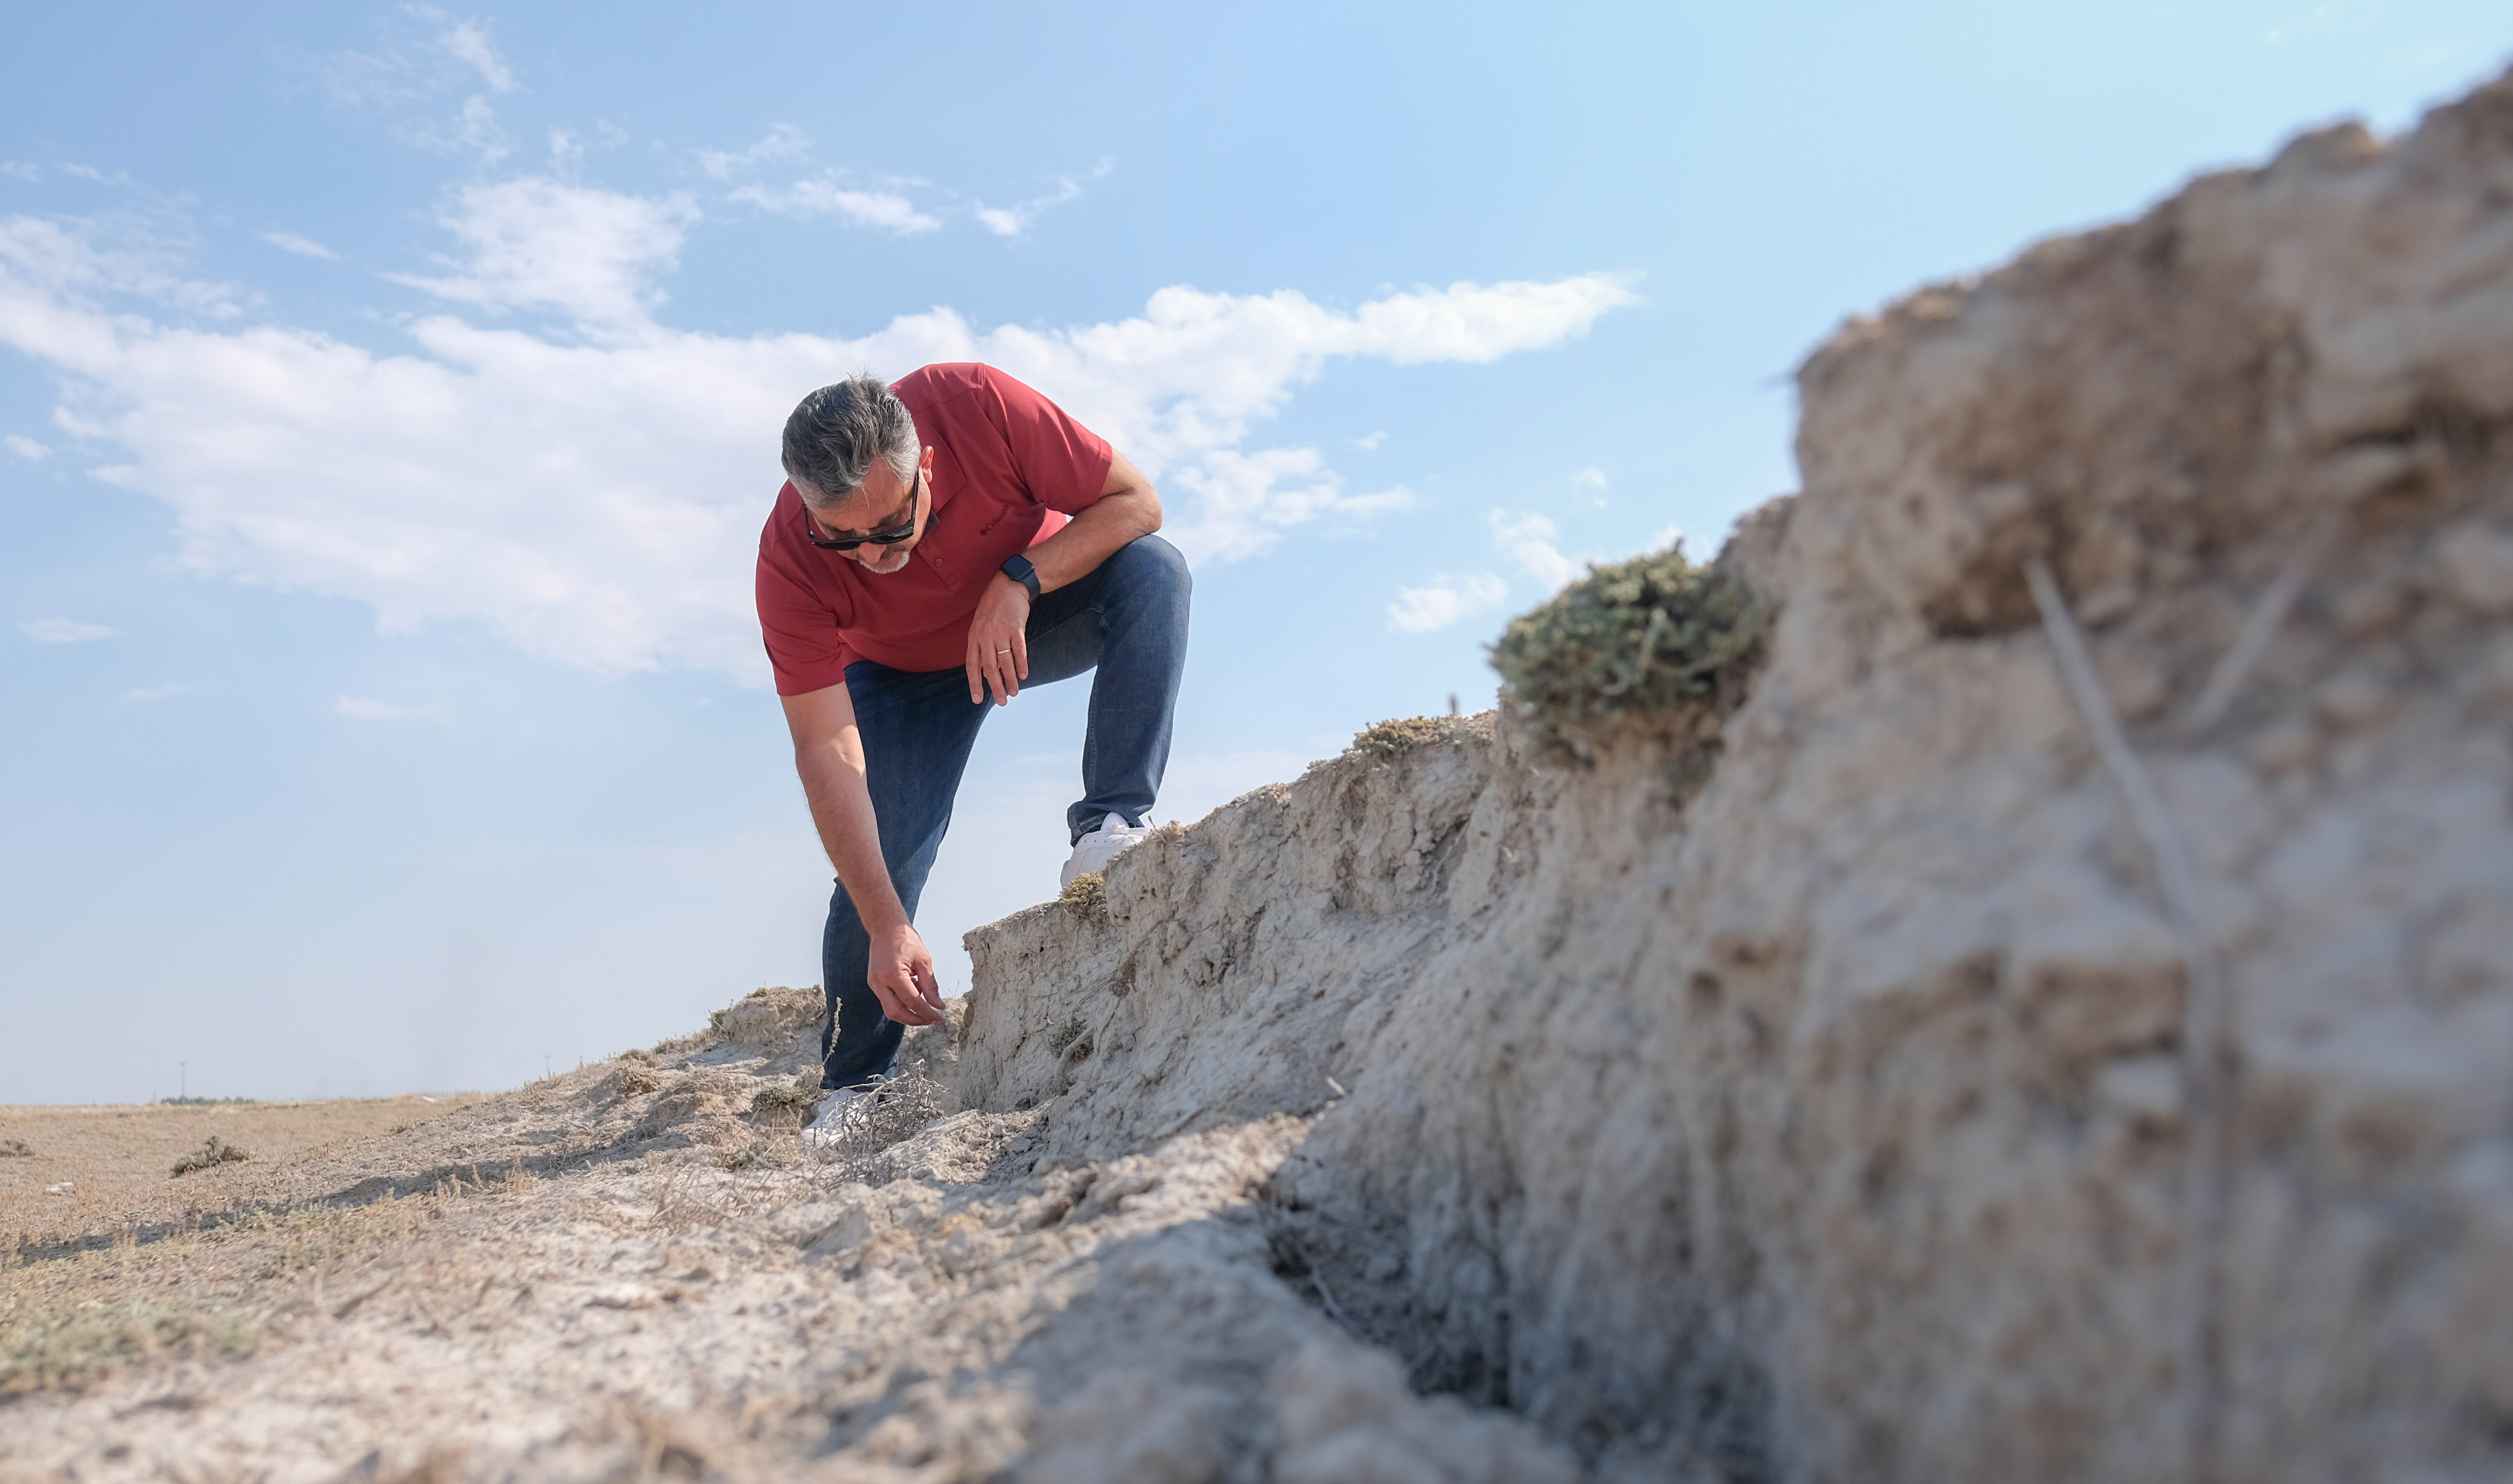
(1654, 643)
(1066, 1034)
(1086, 896)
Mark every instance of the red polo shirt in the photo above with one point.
(1008, 467)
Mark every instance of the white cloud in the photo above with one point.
(1449, 599)
(1370, 444)
(1014, 220)
(1589, 479)
(822, 195)
(145, 694)
(20, 170)
(24, 447)
(473, 130)
(1246, 506)
(360, 708)
(783, 142)
(468, 42)
(1666, 536)
(536, 243)
(410, 69)
(64, 631)
(79, 261)
(1528, 541)
(596, 497)
(302, 247)
(825, 197)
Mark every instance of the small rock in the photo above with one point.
(624, 1297)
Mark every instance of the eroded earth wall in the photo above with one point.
(1831, 1122)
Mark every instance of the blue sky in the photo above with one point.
(388, 403)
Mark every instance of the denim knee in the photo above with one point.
(1154, 567)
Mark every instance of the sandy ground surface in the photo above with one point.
(88, 1173)
(636, 1271)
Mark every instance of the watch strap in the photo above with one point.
(1019, 570)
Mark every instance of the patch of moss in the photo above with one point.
(1654, 642)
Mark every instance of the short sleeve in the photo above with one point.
(1063, 464)
(801, 633)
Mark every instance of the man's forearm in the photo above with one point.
(833, 784)
(1093, 537)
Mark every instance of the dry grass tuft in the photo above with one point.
(14, 1148)
(70, 1348)
(1387, 741)
(216, 1151)
(783, 1097)
(635, 1079)
(770, 1153)
(70, 1321)
(1086, 896)
(770, 1017)
(901, 1108)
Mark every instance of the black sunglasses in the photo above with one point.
(889, 536)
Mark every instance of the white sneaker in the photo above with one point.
(844, 1111)
(1093, 851)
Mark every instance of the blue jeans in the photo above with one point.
(1128, 619)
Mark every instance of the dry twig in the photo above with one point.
(2260, 625)
(2206, 1062)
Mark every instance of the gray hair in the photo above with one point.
(836, 433)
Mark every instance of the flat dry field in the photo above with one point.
(97, 1171)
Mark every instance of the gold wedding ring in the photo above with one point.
(1003, 652)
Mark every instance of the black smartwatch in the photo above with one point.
(1020, 571)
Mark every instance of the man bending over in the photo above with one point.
(938, 543)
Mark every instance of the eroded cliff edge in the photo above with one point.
(1788, 1078)
(1831, 1122)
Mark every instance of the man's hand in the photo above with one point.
(998, 645)
(901, 974)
